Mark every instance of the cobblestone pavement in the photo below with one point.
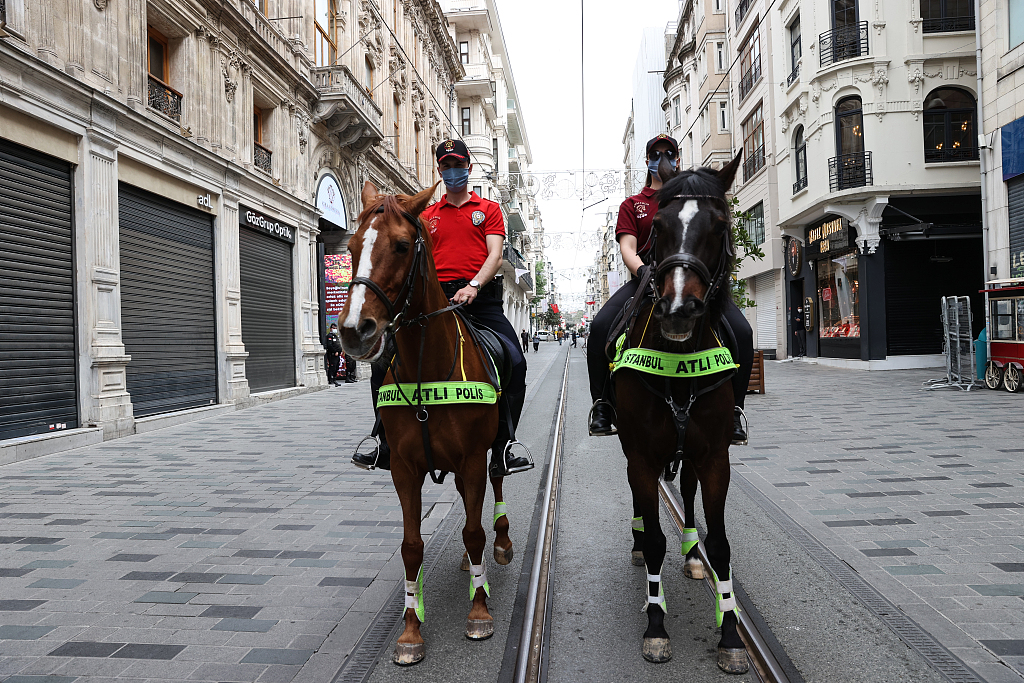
(918, 491)
(244, 547)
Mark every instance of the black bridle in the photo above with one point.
(688, 261)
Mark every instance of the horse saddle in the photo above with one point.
(499, 370)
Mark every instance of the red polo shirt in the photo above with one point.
(636, 214)
(460, 245)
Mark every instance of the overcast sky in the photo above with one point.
(543, 41)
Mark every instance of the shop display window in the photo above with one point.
(1002, 319)
(839, 296)
(1020, 319)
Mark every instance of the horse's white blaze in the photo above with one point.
(686, 215)
(358, 293)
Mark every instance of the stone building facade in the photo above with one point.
(173, 158)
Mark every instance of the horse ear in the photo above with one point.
(419, 201)
(369, 193)
(728, 172)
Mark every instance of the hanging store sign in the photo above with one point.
(828, 237)
(251, 218)
(330, 202)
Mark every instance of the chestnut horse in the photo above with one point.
(663, 420)
(396, 293)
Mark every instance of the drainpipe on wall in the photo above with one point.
(983, 137)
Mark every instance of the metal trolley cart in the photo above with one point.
(1004, 301)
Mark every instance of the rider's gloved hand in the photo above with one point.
(642, 270)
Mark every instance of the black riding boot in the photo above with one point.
(379, 457)
(739, 429)
(503, 461)
(602, 419)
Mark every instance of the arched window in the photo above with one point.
(800, 159)
(949, 126)
(851, 166)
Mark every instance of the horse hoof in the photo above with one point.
(465, 562)
(733, 660)
(502, 555)
(693, 569)
(637, 557)
(658, 650)
(479, 629)
(407, 654)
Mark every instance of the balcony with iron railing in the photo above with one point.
(800, 184)
(754, 163)
(514, 258)
(847, 171)
(947, 154)
(164, 98)
(793, 75)
(948, 24)
(749, 79)
(262, 158)
(843, 42)
(742, 7)
(346, 108)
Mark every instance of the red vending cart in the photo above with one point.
(1004, 301)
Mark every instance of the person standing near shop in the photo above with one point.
(526, 340)
(634, 233)
(332, 359)
(468, 233)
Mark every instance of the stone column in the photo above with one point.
(76, 52)
(47, 48)
(137, 86)
(103, 361)
(231, 351)
(311, 362)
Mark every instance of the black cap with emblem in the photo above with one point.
(455, 148)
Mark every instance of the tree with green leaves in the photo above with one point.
(745, 248)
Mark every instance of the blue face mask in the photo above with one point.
(455, 179)
(652, 166)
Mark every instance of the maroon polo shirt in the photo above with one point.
(636, 214)
(459, 235)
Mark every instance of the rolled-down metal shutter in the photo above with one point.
(1015, 209)
(37, 284)
(268, 326)
(168, 320)
(764, 295)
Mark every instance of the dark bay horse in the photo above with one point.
(396, 292)
(661, 418)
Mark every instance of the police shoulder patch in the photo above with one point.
(478, 217)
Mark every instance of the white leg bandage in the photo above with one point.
(414, 596)
(477, 579)
(659, 597)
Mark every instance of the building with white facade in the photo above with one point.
(874, 136)
(173, 174)
(646, 118)
(490, 121)
(1002, 126)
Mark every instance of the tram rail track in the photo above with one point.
(531, 661)
(763, 662)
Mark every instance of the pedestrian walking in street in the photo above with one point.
(526, 340)
(468, 235)
(332, 359)
(574, 339)
(558, 336)
(536, 342)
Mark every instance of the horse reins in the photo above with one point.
(687, 261)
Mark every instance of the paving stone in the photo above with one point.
(276, 656)
(231, 611)
(65, 584)
(86, 649)
(246, 626)
(173, 598)
(20, 605)
(147, 576)
(131, 557)
(24, 632)
(148, 651)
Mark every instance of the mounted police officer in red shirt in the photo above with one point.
(468, 233)
(635, 236)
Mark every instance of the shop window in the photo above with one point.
(325, 40)
(949, 125)
(839, 297)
